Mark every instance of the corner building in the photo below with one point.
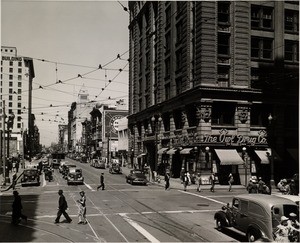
(214, 88)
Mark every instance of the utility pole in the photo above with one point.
(29, 118)
(3, 143)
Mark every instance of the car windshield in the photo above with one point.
(30, 172)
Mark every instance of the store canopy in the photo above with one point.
(141, 155)
(162, 150)
(229, 157)
(264, 155)
(172, 151)
(186, 151)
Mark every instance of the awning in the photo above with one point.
(229, 157)
(162, 150)
(172, 151)
(141, 155)
(264, 155)
(294, 153)
(185, 151)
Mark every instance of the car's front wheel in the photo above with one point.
(253, 235)
(219, 225)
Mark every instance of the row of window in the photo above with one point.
(19, 125)
(12, 63)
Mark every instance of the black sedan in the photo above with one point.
(136, 177)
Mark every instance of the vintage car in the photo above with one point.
(30, 177)
(98, 163)
(115, 168)
(75, 176)
(255, 215)
(61, 166)
(66, 168)
(136, 177)
(55, 163)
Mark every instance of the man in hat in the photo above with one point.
(82, 208)
(62, 207)
(294, 225)
(101, 182)
(17, 209)
(282, 230)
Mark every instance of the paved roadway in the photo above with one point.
(121, 213)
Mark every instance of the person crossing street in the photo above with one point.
(62, 207)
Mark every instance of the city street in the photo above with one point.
(120, 213)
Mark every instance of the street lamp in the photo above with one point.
(207, 158)
(156, 124)
(245, 158)
(271, 143)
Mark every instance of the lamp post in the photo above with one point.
(245, 158)
(132, 155)
(207, 158)
(271, 157)
(156, 124)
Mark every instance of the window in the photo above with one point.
(140, 86)
(167, 91)
(259, 115)
(291, 51)
(179, 32)
(11, 63)
(19, 91)
(223, 73)
(167, 67)
(223, 12)
(19, 97)
(19, 125)
(223, 44)
(10, 84)
(168, 41)
(178, 86)
(291, 21)
(261, 17)
(235, 203)
(20, 64)
(11, 70)
(11, 77)
(19, 118)
(19, 84)
(10, 104)
(261, 48)
(19, 112)
(19, 70)
(19, 77)
(19, 105)
(179, 60)
(10, 91)
(10, 97)
(223, 113)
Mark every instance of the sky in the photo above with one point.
(68, 40)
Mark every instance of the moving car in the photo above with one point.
(136, 177)
(98, 163)
(75, 176)
(115, 168)
(256, 215)
(30, 176)
(66, 168)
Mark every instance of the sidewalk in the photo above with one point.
(175, 183)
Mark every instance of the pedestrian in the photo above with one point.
(14, 180)
(189, 178)
(252, 187)
(167, 180)
(198, 181)
(261, 183)
(17, 209)
(294, 225)
(17, 166)
(101, 182)
(82, 208)
(62, 207)
(282, 230)
(212, 181)
(185, 181)
(230, 181)
(293, 188)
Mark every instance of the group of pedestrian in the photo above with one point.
(259, 187)
(288, 229)
(287, 188)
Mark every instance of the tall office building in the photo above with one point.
(16, 76)
(214, 87)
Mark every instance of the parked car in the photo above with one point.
(98, 163)
(30, 176)
(75, 176)
(115, 168)
(136, 177)
(256, 215)
(294, 198)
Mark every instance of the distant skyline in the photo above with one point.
(68, 40)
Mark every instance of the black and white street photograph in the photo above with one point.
(149, 121)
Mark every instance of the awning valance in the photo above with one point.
(185, 150)
(162, 150)
(229, 157)
(141, 155)
(264, 155)
(172, 151)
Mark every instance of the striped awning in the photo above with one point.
(162, 150)
(229, 157)
(264, 155)
(185, 151)
(172, 151)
